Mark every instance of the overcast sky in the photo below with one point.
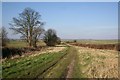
(71, 20)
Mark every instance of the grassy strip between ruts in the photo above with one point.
(31, 67)
(60, 70)
(77, 72)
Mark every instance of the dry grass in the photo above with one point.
(96, 63)
(49, 50)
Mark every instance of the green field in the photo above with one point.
(39, 66)
(20, 43)
(30, 66)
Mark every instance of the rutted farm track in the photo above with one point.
(65, 62)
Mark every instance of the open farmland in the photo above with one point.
(92, 41)
(97, 44)
(60, 40)
(98, 41)
(22, 43)
(63, 61)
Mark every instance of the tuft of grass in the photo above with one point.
(101, 57)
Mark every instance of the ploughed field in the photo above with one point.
(63, 61)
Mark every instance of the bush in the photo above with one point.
(67, 41)
(9, 52)
(50, 38)
(75, 41)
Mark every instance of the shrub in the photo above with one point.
(50, 37)
(75, 41)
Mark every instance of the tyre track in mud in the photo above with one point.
(70, 69)
(66, 71)
(51, 66)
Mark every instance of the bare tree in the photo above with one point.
(28, 24)
(36, 34)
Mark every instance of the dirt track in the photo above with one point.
(70, 69)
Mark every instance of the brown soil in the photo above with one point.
(70, 70)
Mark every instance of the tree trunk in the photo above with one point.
(34, 44)
(30, 41)
(35, 41)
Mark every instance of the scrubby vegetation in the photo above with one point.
(19, 47)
